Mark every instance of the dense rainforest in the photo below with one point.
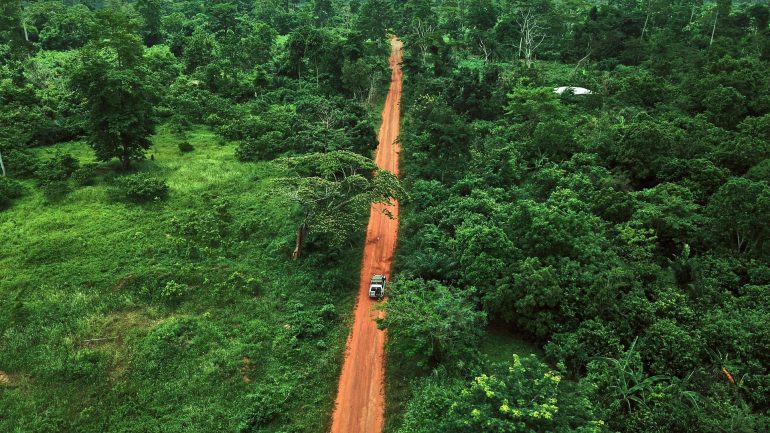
(622, 233)
(185, 186)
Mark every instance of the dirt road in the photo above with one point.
(360, 403)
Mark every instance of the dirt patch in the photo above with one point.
(122, 283)
(10, 380)
(112, 333)
(245, 369)
(115, 327)
(360, 403)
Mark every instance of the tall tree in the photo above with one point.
(151, 12)
(112, 78)
(323, 11)
(13, 28)
(332, 190)
(740, 211)
(430, 322)
(374, 17)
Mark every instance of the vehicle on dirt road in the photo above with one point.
(377, 287)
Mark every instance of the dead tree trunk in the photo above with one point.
(301, 232)
(646, 20)
(424, 32)
(532, 35)
(23, 21)
(373, 80)
(485, 50)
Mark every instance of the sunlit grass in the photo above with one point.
(91, 267)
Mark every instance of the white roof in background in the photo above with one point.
(575, 90)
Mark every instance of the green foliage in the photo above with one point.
(84, 176)
(583, 222)
(55, 190)
(576, 349)
(525, 396)
(199, 234)
(332, 192)
(19, 164)
(431, 323)
(111, 78)
(58, 168)
(185, 147)
(9, 190)
(587, 223)
(173, 293)
(107, 318)
(313, 125)
(738, 210)
(622, 381)
(141, 188)
(59, 27)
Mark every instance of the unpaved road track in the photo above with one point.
(360, 403)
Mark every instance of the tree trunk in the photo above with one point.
(301, 232)
(713, 29)
(644, 29)
(125, 160)
(2, 166)
(23, 21)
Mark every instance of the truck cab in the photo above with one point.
(377, 287)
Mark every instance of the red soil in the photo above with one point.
(360, 403)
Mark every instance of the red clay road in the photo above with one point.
(360, 403)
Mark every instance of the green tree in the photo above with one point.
(60, 27)
(323, 11)
(622, 382)
(111, 77)
(200, 49)
(531, 105)
(332, 190)
(151, 12)
(256, 48)
(739, 213)
(670, 210)
(430, 322)
(13, 28)
(524, 397)
(374, 17)
(482, 14)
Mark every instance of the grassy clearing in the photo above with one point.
(183, 315)
(499, 345)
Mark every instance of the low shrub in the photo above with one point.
(266, 147)
(19, 164)
(140, 188)
(9, 190)
(84, 175)
(55, 190)
(237, 285)
(85, 364)
(173, 293)
(57, 169)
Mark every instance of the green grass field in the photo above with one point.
(181, 315)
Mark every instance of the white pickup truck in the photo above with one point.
(377, 287)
